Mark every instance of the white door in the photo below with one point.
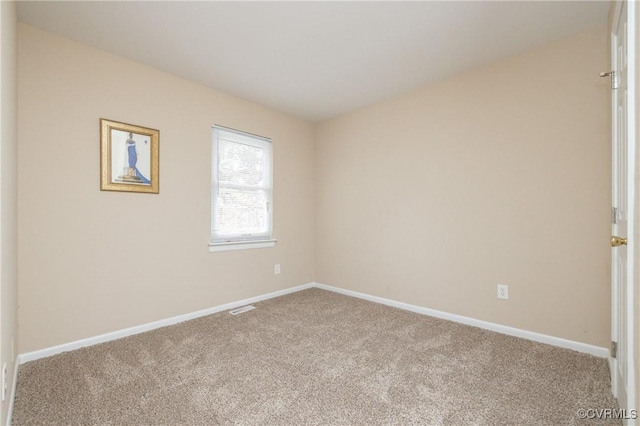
(622, 361)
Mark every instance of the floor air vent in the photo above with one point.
(241, 310)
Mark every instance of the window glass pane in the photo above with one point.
(241, 164)
(241, 212)
(241, 187)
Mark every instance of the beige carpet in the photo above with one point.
(313, 357)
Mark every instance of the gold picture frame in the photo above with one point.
(129, 158)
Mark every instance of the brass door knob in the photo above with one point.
(618, 241)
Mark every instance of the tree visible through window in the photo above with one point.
(241, 187)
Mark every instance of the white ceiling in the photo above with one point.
(314, 60)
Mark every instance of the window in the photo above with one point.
(241, 213)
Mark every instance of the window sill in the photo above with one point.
(241, 245)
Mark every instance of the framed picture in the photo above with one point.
(129, 159)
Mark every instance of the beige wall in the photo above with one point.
(8, 193)
(498, 175)
(93, 262)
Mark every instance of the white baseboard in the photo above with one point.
(16, 364)
(54, 350)
(511, 331)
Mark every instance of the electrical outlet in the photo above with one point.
(277, 269)
(4, 381)
(503, 291)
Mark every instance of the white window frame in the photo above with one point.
(220, 242)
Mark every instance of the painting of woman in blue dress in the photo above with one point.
(130, 171)
(129, 160)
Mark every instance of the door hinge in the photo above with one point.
(614, 349)
(614, 215)
(614, 80)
